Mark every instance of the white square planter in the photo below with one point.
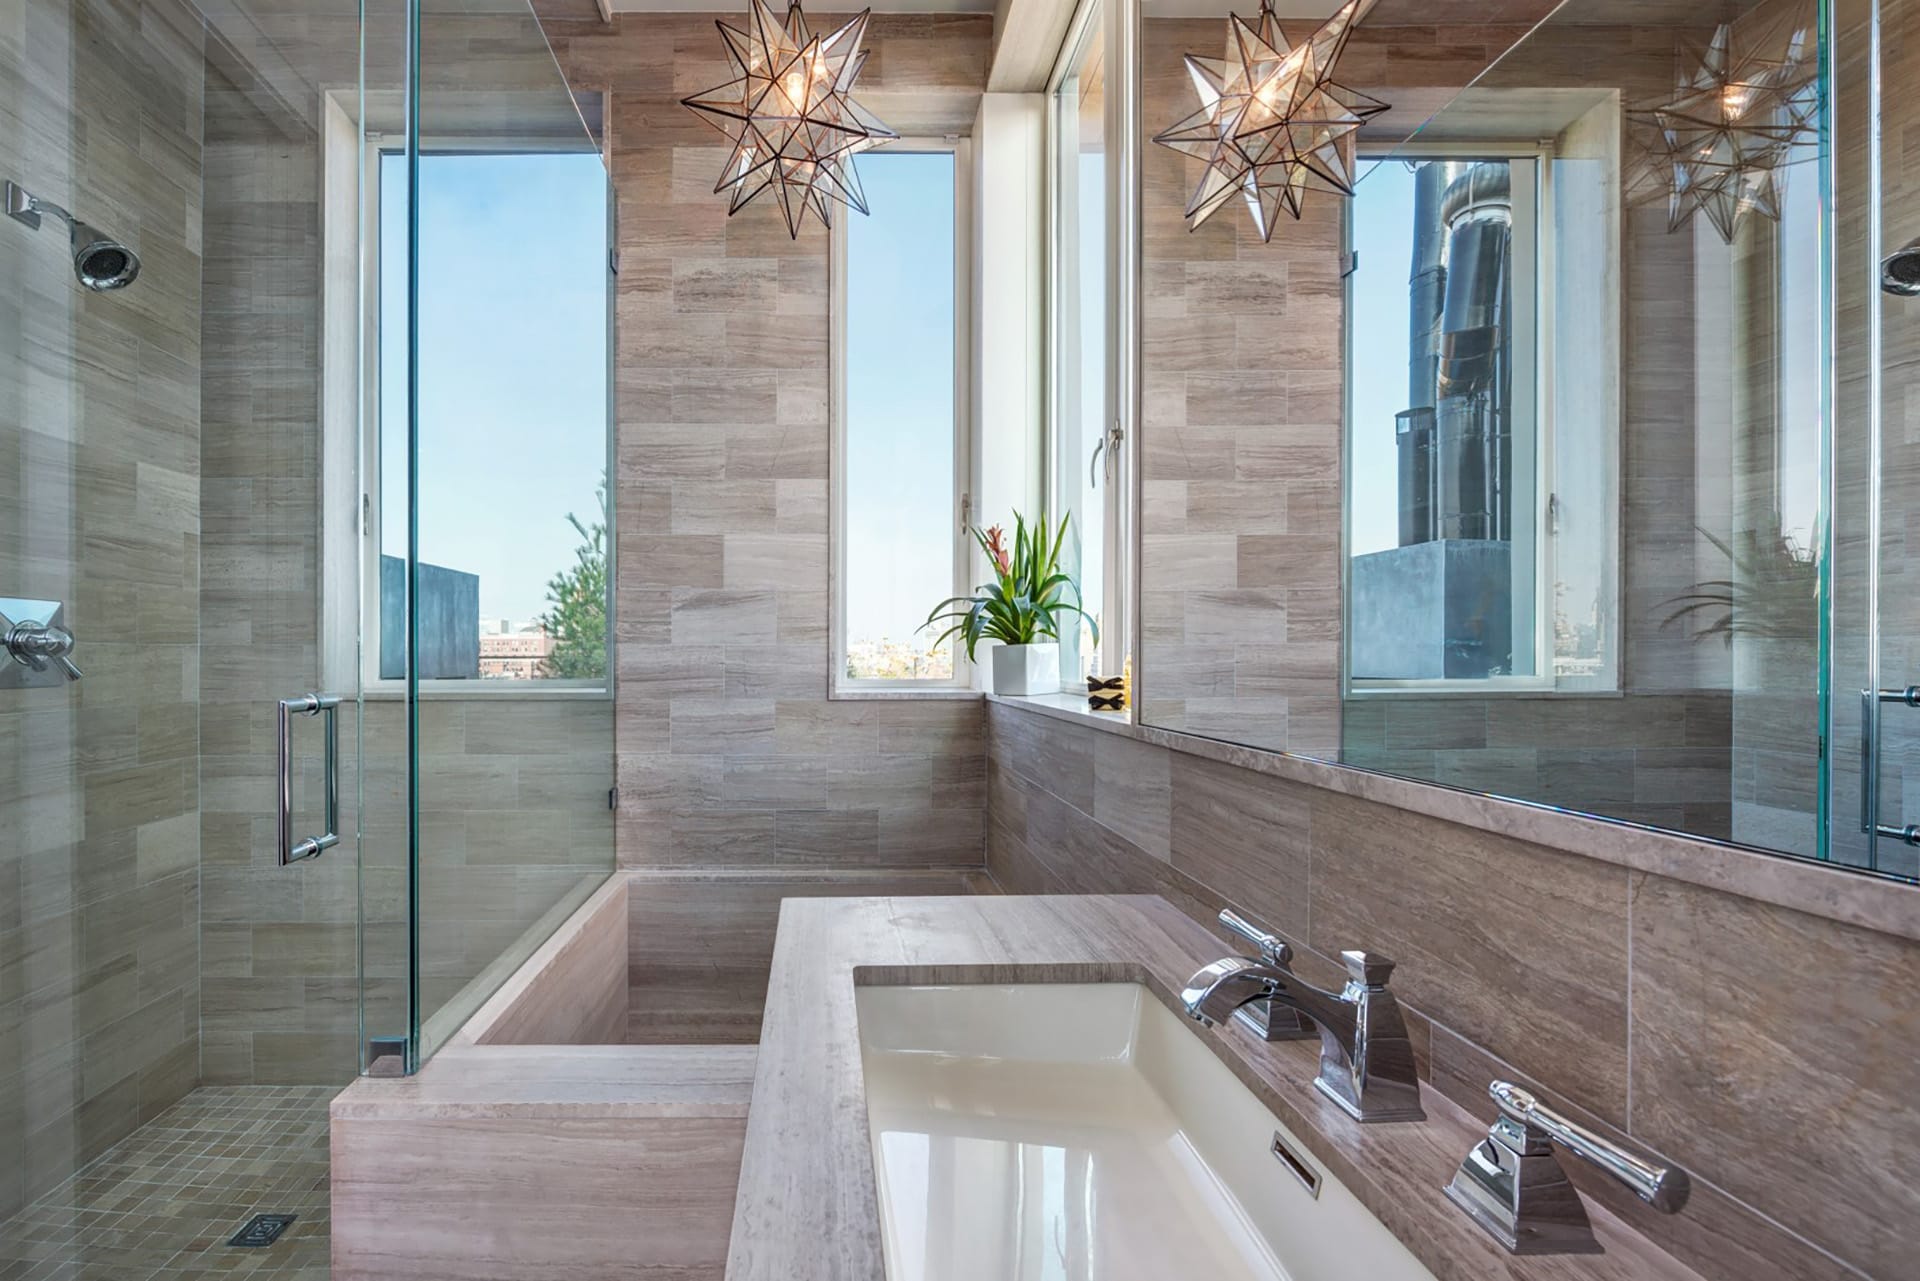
(1026, 669)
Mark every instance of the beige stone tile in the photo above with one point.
(722, 726)
(1132, 792)
(1522, 950)
(1726, 1076)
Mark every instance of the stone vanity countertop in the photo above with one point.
(807, 1207)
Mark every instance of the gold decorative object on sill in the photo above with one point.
(1272, 123)
(1741, 104)
(791, 116)
(1107, 693)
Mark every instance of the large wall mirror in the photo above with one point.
(1512, 471)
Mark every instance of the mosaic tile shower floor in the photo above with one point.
(161, 1204)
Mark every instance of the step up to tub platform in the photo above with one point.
(539, 1143)
(542, 1161)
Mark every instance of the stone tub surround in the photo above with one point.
(1744, 1035)
(809, 1096)
(702, 942)
(533, 1143)
(536, 1162)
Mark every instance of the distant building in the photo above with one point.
(511, 655)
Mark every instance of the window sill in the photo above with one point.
(1362, 693)
(1068, 707)
(485, 691)
(900, 695)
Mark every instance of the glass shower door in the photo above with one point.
(1874, 605)
(492, 499)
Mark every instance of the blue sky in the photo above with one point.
(513, 391)
(1383, 236)
(899, 324)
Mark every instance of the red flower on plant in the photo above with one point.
(997, 548)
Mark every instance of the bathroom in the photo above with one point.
(505, 770)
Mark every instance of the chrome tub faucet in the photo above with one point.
(1366, 1058)
(1261, 1016)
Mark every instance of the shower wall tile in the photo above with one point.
(731, 755)
(100, 508)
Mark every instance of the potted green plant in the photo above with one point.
(1021, 608)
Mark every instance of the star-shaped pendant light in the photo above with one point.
(1741, 104)
(1272, 123)
(790, 114)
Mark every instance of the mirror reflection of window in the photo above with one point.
(1445, 511)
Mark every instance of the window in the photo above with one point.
(900, 461)
(1084, 458)
(512, 507)
(1476, 559)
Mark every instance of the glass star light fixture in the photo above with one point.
(1272, 122)
(790, 114)
(1741, 104)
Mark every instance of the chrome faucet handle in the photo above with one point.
(1263, 1018)
(1369, 969)
(1272, 947)
(1513, 1185)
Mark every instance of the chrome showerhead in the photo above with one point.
(100, 262)
(1900, 270)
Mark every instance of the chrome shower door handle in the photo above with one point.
(309, 705)
(1870, 699)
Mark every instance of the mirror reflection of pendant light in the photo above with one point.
(1272, 122)
(1741, 104)
(790, 115)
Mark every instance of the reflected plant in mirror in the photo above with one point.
(1774, 591)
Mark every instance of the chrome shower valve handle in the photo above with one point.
(38, 645)
(34, 636)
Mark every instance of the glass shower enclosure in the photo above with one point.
(305, 720)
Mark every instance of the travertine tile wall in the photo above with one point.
(1660, 759)
(1761, 1048)
(279, 951)
(740, 782)
(100, 508)
(1242, 471)
(730, 753)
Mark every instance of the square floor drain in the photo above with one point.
(262, 1229)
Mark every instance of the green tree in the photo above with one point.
(578, 620)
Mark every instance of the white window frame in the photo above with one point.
(1063, 480)
(341, 665)
(839, 684)
(1538, 368)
